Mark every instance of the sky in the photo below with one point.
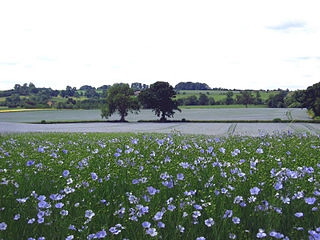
(247, 44)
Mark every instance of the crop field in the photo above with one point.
(146, 114)
(159, 186)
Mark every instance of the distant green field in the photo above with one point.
(220, 95)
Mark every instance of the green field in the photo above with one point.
(220, 95)
(173, 186)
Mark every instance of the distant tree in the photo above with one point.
(120, 99)
(191, 86)
(91, 93)
(104, 87)
(258, 100)
(21, 90)
(211, 101)
(69, 92)
(32, 89)
(277, 100)
(138, 86)
(246, 98)
(229, 99)
(203, 99)
(191, 100)
(295, 99)
(159, 97)
(13, 101)
(86, 87)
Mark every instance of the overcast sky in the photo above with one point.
(258, 44)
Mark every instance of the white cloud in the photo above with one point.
(231, 44)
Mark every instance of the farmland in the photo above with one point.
(168, 186)
(219, 122)
(206, 114)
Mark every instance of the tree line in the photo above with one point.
(88, 97)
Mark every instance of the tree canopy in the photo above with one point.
(192, 86)
(311, 99)
(120, 99)
(159, 97)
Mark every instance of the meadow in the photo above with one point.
(161, 186)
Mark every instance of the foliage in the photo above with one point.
(159, 97)
(311, 98)
(120, 99)
(246, 98)
(295, 99)
(203, 99)
(88, 97)
(136, 86)
(229, 99)
(96, 186)
(191, 86)
(277, 100)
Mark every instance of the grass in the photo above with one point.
(139, 186)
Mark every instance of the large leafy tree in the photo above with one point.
(120, 99)
(246, 98)
(160, 98)
(312, 98)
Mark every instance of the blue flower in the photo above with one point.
(116, 229)
(64, 212)
(3, 226)
(259, 151)
(101, 234)
(261, 234)
(236, 220)
(89, 214)
(278, 186)
(94, 176)
(30, 163)
(146, 224)
(198, 207)
(65, 173)
(254, 191)
(209, 222)
(152, 190)
(152, 232)
(181, 228)
(228, 213)
(158, 216)
(161, 225)
(16, 217)
(310, 200)
(298, 214)
(180, 176)
(41, 149)
(171, 207)
(43, 204)
(276, 234)
(59, 205)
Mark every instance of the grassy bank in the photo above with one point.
(86, 186)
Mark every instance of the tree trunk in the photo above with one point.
(122, 118)
(163, 117)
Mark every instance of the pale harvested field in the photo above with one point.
(20, 122)
(216, 129)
